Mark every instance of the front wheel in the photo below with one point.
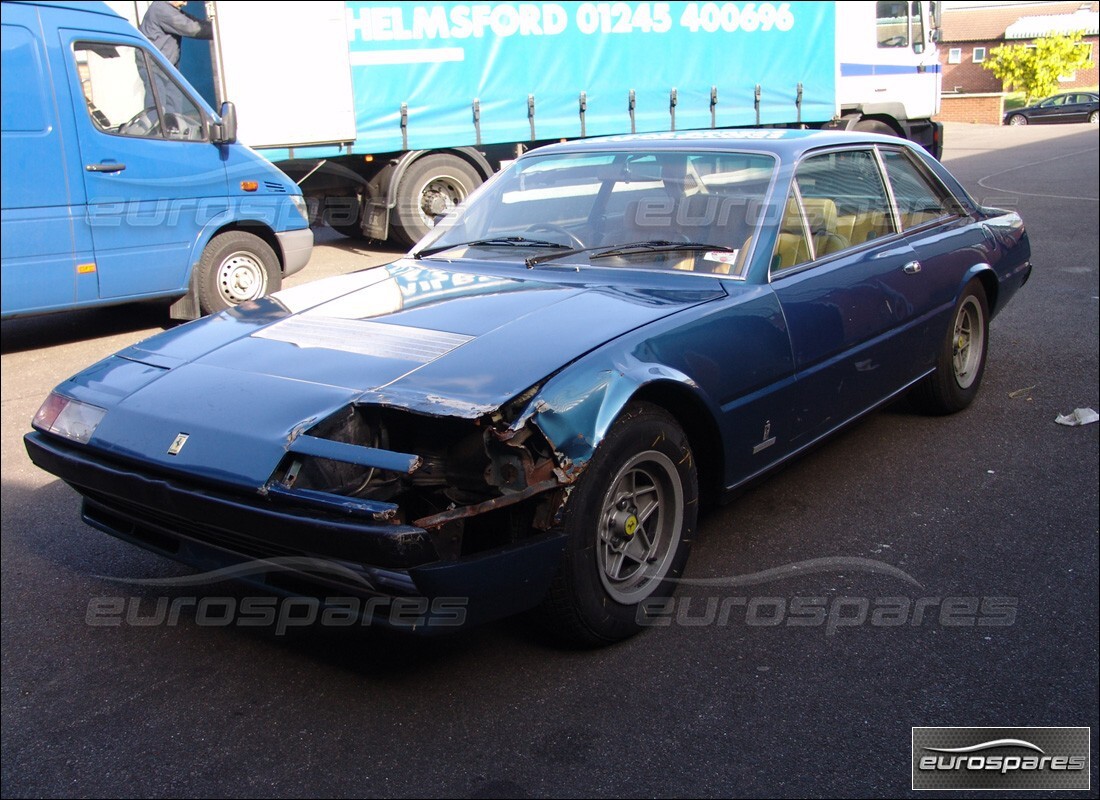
(236, 267)
(1017, 119)
(960, 363)
(629, 525)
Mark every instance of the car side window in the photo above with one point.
(841, 201)
(919, 199)
(128, 94)
(792, 244)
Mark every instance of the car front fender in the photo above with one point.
(575, 409)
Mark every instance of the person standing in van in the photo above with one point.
(165, 24)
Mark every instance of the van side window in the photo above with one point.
(128, 94)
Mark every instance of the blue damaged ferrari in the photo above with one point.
(526, 411)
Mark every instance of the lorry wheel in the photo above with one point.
(236, 267)
(874, 126)
(431, 186)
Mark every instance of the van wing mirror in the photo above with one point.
(225, 132)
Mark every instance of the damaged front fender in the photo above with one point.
(575, 410)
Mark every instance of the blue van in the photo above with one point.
(120, 183)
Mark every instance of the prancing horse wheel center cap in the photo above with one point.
(624, 524)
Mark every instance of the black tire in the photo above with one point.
(236, 267)
(875, 126)
(431, 186)
(597, 596)
(960, 363)
(1017, 119)
(1094, 117)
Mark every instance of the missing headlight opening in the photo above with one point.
(473, 484)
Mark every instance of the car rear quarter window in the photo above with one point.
(919, 198)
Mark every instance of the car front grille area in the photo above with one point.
(180, 538)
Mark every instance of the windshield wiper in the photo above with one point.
(658, 246)
(496, 241)
(650, 246)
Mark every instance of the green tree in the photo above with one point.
(1035, 70)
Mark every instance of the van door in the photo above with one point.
(40, 262)
(153, 178)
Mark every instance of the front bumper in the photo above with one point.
(289, 549)
(297, 247)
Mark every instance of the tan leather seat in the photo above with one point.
(791, 247)
(822, 218)
(863, 227)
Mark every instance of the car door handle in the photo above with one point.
(111, 166)
(912, 268)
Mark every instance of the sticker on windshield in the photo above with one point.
(728, 259)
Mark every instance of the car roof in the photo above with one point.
(787, 144)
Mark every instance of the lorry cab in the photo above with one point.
(120, 183)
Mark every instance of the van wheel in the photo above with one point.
(432, 186)
(236, 267)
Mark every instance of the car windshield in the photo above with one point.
(646, 210)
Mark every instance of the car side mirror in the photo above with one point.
(225, 132)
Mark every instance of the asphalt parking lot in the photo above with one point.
(987, 520)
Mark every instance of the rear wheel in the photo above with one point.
(432, 186)
(1094, 117)
(629, 523)
(960, 363)
(1017, 119)
(875, 126)
(236, 267)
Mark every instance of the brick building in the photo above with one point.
(970, 33)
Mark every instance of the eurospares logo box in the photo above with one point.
(1001, 758)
